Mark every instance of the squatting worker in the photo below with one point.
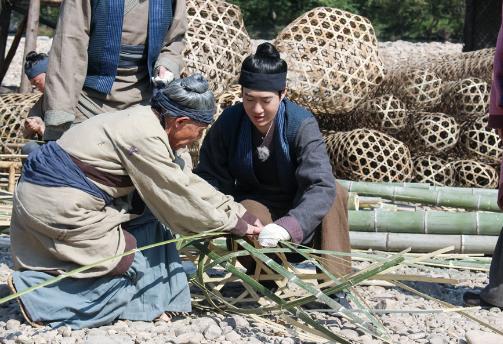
(268, 153)
(492, 294)
(104, 55)
(35, 68)
(66, 212)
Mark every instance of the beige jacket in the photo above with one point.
(62, 228)
(65, 100)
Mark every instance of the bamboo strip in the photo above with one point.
(407, 311)
(280, 302)
(422, 242)
(414, 278)
(426, 222)
(438, 197)
(8, 164)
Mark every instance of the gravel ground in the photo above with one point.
(212, 327)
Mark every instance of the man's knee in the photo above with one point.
(259, 210)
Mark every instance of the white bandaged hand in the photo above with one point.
(271, 234)
(163, 77)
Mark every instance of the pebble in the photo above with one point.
(349, 334)
(366, 339)
(65, 331)
(23, 339)
(481, 337)
(438, 340)
(12, 324)
(189, 338)
(232, 336)
(212, 332)
(237, 321)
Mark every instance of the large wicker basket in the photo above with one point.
(332, 59)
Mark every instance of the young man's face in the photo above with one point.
(261, 107)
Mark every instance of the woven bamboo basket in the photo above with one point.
(332, 59)
(386, 113)
(465, 98)
(336, 122)
(474, 174)
(433, 133)
(369, 155)
(433, 170)
(27, 99)
(217, 42)
(474, 64)
(420, 89)
(11, 124)
(479, 142)
(228, 98)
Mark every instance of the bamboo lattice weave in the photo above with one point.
(481, 143)
(13, 110)
(332, 59)
(471, 173)
(217, 42)
(386, 113)
(369, 155)
(466, 98)
(434, 133)
(433, 170)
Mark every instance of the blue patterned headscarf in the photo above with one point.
(36, 67)
(187, 97)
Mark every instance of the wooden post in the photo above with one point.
(5, 12)
(30, 39)
(12, 178)
(13, 47)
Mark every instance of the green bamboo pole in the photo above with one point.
(426, 222)
(422, 242)
(438, 197)
(465, 190)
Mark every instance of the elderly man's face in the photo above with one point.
(182, 131)
(39, 82)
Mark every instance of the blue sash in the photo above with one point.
(52, 166)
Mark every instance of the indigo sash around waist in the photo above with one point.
(52, 166)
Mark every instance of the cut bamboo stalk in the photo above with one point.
(439, 197)
(353, 201)
(426, 222)
(465, 190)
(422, 242)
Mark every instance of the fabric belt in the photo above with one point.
(132, 56)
